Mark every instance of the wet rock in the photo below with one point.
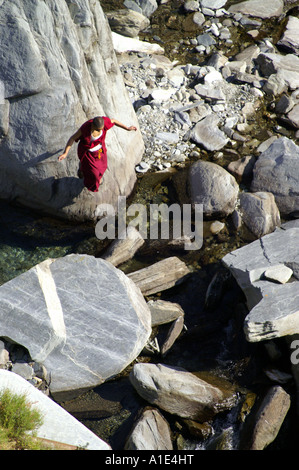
(176, 391)
(277, 171)
(151, 432)
(76, 297)
(214, 187)
(259, 212)
(263, 427)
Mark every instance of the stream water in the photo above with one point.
(212, 344)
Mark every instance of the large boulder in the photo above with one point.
(79, 316)
(58, 69)
(277, 171)
(213, 187)
(177, 391)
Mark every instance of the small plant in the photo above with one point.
(16, 419)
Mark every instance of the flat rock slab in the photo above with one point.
(69, 436)
(274, 307)
(79, 316)
(256, 8)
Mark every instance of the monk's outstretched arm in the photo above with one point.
(119, 124)
(69, 143)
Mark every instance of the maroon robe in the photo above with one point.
(93, 164)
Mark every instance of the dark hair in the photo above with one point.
(98, 122)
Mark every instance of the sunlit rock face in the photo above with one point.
(58, 69)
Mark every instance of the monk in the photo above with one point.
(92, 150)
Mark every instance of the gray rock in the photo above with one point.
(270, 63)
(176, 390)
(259, 212)
(209, 92)
(151, 432)
(59, 68)
(146, 7)
(4, 355)
(85, 322)
(58, 427)
(191, 5)
(207, 134)
(173, 333)
(290, 38)
(263, 428)
(23, 369)
(279, 273)
(163, 311)
(214, 187)
(277, 171)
(256, 8)
(127, 22)
(205, 40)
(275, 85)
(242, 169)
(273, 307)
(169, 137)
(123, 249)
(160, 276)
(277, 313)
(293, 116)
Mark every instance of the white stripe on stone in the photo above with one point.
(54, 308)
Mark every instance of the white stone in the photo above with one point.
(279, 273)
(123, 44)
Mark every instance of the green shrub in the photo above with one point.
(16, 419)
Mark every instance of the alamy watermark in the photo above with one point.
(152, 221)
(295, 354)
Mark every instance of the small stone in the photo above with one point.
(279, 273)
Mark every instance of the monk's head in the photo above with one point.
(98, 123)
